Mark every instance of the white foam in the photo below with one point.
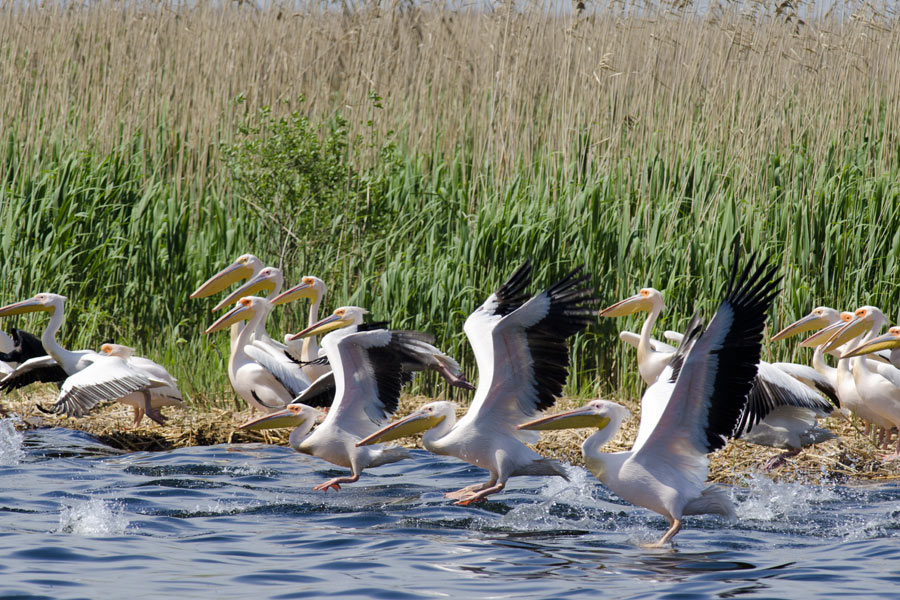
(11, 439)
(577, 493)
(93, 517)
(769, 500)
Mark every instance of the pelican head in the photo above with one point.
(41, 302)
(888, 341)
(429, 416)
(117, 350)
(293, 415)
(819, 317)
(344, 316)
(646, 300)
(864, 319)
(266, 280)
(822, 336)
(597, 414)
(245, 309)
(245, 266)
(309, 287)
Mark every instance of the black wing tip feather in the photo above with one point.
(749, 298)
(511, 294)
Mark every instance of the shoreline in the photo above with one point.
(851, 457)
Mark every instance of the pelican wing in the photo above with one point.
(106, 378)
(286, 372)
(511, 295)
(523, 358)
(319, 394)
(370, 376)
(888, 371)
(42, 369)
(633, 339)
(711, 374)
(812, 378)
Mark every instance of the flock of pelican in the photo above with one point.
(338, 382)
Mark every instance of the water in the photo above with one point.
(81, 520)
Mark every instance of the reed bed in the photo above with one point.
(641, 143)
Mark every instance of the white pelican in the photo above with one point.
(30, 363)
(92, 377)
(879, 394)
(313, 289)
(244, 267)
(781, 393)
(889, 341)
(163, 395)
(520, 348)
(369, 369)
(703, 389)
(263, 381)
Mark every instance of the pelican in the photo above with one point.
(244, 267)
(30, 363)
(162, 395)
(704, 389)
(267, 279)
(369, 370)
(520, 349)
(264, 382)
(889, 341)
(314, 289)
(92, 377)
(781, 392)
(879, 393)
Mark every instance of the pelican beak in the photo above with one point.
(256, 284)
(628, 306)
(572, 419)
(239, 313)
(234, 272)
(412, 424)
(25, 306)
(289, 417)
(846, 333)
(822, 336)
(329, 323)
(808, 323)
(301, 290)
(888, 341)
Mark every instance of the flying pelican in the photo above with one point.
(780, 392)
(162, 395)
(264, 382)
(703, 389)
(92, 377)
(520, 349)
(314, 289)
(879, 393)
(369, 369)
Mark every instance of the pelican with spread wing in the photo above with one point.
(520, 348)
(703, 390)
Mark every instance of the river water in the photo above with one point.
(82, 520)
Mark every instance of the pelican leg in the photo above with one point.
(468, 490)
(335, 484)
(665, 539)
(138, 415)
(152, 412)
(777, 461)
(480, 495)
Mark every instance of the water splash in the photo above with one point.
(11, 439)
(560, 504)
(93, 517)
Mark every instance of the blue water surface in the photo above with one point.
(79, 519)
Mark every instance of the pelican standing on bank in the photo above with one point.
(370, 368)
(520, 348)
(704, 389)
(313, 289)
(92, 377)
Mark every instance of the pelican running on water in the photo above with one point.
(161, 395)
(783, 392)
(370, 367)
(704, 390)
(520, 348)
(91, 377)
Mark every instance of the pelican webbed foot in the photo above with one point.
(466, 491)
(335, 484)
(777, 461)
(480, 495)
